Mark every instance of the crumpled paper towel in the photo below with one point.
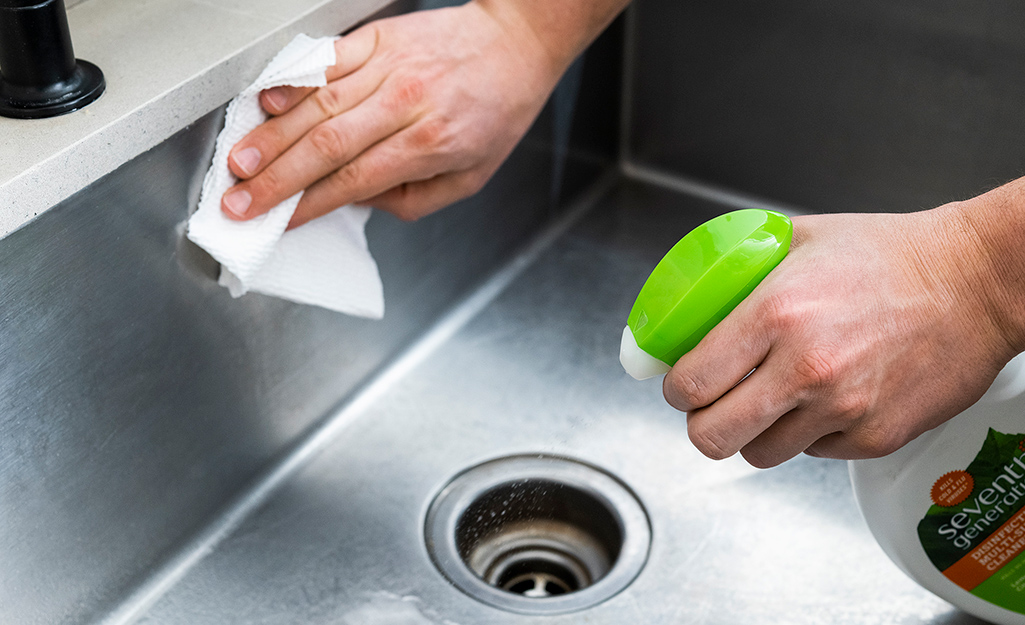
(325, 262)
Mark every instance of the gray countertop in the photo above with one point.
(166, 63)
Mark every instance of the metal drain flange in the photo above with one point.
(538, 534)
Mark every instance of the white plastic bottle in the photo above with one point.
(949, 507)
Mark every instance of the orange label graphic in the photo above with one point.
(952, 488)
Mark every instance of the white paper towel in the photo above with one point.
(325, 262)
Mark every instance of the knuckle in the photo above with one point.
(407, 94)
(852, 407)
(780, 312)
(327, 101)
(761, 458)
(874, 441)
(350, 176)
(328, 143)
(366, 40)
(432, 134)
(816, 368)
(708, 441)
(684, 390)
(271, 135)
(268, 184)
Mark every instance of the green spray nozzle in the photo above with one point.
(698, 282)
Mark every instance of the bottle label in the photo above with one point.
(975, 530)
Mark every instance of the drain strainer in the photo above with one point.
(538, 534)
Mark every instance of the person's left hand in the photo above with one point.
(419, 111)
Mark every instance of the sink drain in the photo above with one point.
(538, 534)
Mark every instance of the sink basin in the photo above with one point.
(528, 366)
(170, 455)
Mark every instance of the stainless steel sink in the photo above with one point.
(138, 400)
(530, 368)
(169, 455)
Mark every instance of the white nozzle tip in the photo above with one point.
(637, 362)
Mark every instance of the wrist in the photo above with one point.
(994, 226)
(520, 39)
(558, 32)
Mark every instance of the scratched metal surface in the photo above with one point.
(137, 398)
(536, 372)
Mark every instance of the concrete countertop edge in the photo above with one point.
(80, 160)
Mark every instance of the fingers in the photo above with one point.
(778, 412)
(258, 149)
(279, 100)
(727, 353)
(415, 199)
(255, 152)
(740, 415)
(384, 166)
(329, 146)
(387, 178)
(351, 53)
(863, 441)
(790, 435)
(774, 412)
(306, 106)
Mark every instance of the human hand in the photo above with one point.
(872, 330)
(419, 111)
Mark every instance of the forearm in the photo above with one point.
(562, 29)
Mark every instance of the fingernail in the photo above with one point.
(276, 98)
(247, 160)
(237, 202)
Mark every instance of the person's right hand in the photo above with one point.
(419, 111)
(873, 329)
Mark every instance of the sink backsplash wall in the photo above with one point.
(872, 105)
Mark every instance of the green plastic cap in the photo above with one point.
(698, 283)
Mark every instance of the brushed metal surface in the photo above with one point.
(137, 398)
(166, 448)
(870, 105)
(341, 540)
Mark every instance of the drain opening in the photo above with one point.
(540, 577)
(538, 535)
(554, 531)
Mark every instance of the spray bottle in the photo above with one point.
(698, 282)
(948, 508)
